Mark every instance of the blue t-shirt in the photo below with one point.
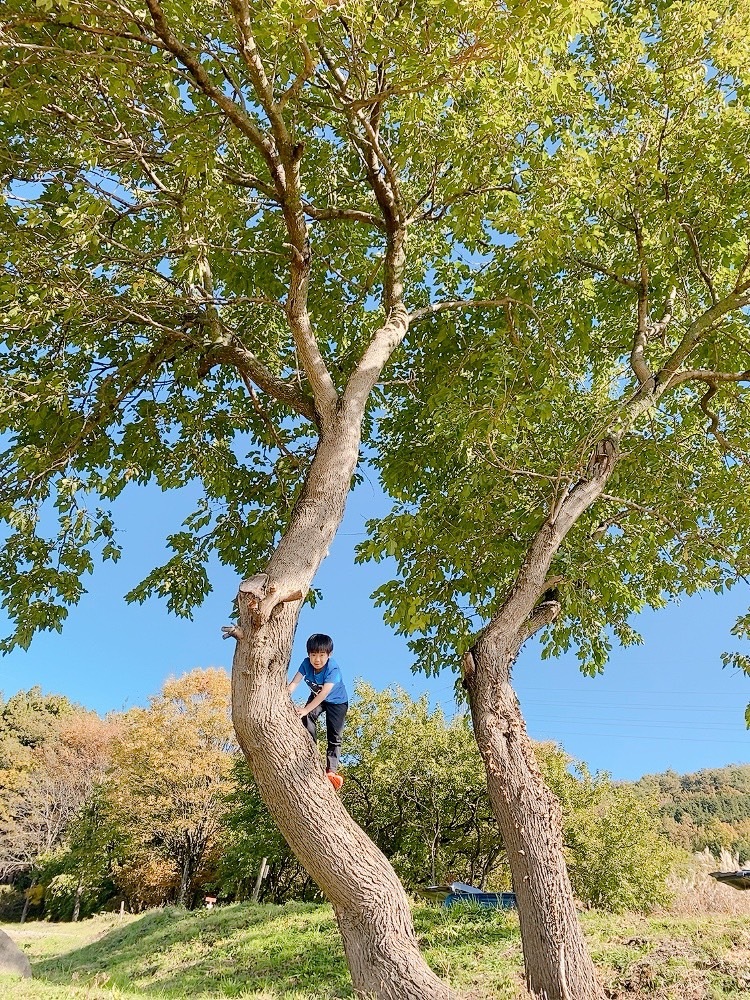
(330, 674)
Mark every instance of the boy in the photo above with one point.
(328, 694)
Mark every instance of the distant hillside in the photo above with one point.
(707, 809)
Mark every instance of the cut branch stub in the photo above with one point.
(261, 597)
(255, 587)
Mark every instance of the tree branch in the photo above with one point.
(239, 118)
(295, 87)
(607, 273)
(714, 427)
(261, 83)
(709, 376)
(344, 214)
(438, 307)
(640, 340)
(251, 368)
(698, 330)
(546, 612)
(658, 328)
(692, 239)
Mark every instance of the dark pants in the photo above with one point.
(335, 715)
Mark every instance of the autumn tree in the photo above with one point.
(221, 223)
(170, 772)
(588, 455)
(56, 755)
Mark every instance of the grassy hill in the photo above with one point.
(293, 952)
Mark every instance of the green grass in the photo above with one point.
(293, 952)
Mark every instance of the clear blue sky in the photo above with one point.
(665, 704)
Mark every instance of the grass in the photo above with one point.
(293, 952)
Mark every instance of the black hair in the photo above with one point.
(319, 643)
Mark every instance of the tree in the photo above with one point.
(433, 823)
(249, 834)
(589, 455)
(222, 223)
(710, 808)
(27, 720)
(616, 854)
(170, 773)
(56, 779)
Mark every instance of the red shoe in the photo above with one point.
(336, 780)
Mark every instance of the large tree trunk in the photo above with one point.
(370, 904)
(558, 965)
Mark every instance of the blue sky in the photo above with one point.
(665, 704)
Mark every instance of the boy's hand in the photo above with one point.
(300, 710)
(232, 632)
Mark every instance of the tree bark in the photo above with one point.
(558, 964)
(371, 907)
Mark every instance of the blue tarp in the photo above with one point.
(460, 892)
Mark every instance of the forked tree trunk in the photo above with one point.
(370, 904)
(558, 964)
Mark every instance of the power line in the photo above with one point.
(629, 705)
(636, 736)
(628, 723)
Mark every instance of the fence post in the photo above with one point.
(262, 872)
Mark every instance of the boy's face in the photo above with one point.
(318, 660)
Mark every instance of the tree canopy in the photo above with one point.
(627, 244)
(155, 175)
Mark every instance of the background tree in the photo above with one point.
(586, 456)
(615, 850)
(60, 759)
(221, 226)
(249, 835)
(435, 823)
(170, 771)
(27, 720)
